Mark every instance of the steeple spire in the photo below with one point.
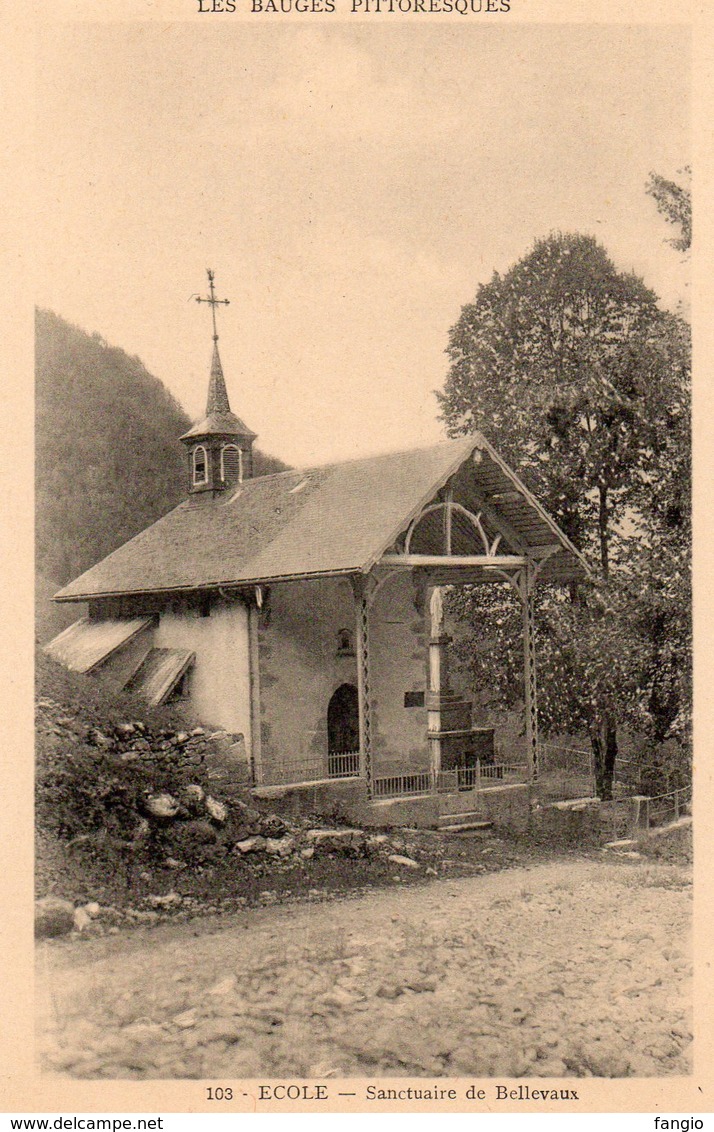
(217, 401)
(221, 445)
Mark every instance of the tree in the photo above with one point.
(674, 202)
(660, 556)
(568, 364)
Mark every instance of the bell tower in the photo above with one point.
(220, 446)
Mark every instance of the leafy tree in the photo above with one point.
(660, 556)
(674, 202)
(568, 364)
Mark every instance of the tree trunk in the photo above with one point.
(602, 525)
(603, 738)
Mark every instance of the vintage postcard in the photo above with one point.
(370, 749)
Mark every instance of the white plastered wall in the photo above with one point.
(220, 679)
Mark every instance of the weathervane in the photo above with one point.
(213, 301)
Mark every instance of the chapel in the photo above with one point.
(301, 613)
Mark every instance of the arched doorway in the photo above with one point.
(343, 732)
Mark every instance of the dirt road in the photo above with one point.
(574, 968)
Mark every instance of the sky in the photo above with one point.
(351, 186)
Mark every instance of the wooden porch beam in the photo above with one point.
(495, 561)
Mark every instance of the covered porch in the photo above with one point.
(413, 734)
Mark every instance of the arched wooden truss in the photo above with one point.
(449, 510)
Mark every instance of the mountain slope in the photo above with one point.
(108, 458)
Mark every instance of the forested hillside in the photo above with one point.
(108, 457)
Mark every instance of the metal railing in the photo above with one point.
(663, 808)
(337, 764)
(343, 764)
(578, 761)
(633, 816)
(402, 785)
(478, 777)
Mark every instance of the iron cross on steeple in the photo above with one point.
(213, 301)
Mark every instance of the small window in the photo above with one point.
(414, 699)
(231, 463)
(345, 646)
(200, 465)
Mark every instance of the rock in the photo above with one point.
(170, 900)
(420, 985)
(193, 797)
(336, 840)
(93, 909)
(172, 863)
(161, 805)
(251, 845)
(406, 862)
(98, 739)
(308, 853)
(124, 730)
(390, 991)
(82, 919)
(223, 987)
(192, 833)
(186, 1020)
(53, 917)
(339, 997)
(272, 826)
(217, 811)
(282, 847)
(376, 839)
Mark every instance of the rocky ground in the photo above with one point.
(570, 968)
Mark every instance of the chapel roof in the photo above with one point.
(335, 519)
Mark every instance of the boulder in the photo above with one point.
(336, 840)
(98, 739)
(193, 797)
(251, 845)
(82, 919)
(161, 805)
(197, 833)
(216, 810)
(170, 900)
(53, 917)
(337, 836)
(405, 862)
(272, 826)
(280, 847)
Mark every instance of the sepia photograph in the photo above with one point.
(363, 604)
